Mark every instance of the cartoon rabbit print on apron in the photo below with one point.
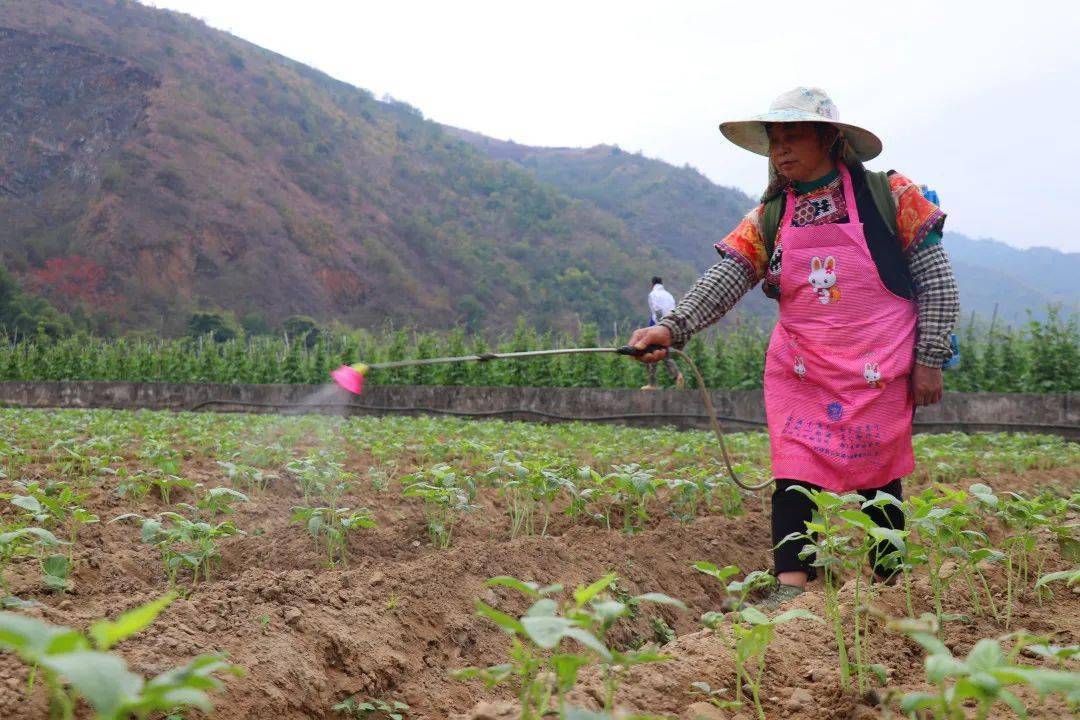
(823, 279)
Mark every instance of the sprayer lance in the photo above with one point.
(484, 357)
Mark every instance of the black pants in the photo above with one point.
(791, 510)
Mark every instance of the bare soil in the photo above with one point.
(400, 615)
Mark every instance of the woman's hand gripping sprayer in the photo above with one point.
(656, 336)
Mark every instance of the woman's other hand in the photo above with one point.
(646, 336)
(926, 384)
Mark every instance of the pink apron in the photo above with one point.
(838, 370)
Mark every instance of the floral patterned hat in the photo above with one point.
(800, 105)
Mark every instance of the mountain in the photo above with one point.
(677, 209)
(995, 277)
(151, 166)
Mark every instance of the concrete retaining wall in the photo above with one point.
(739, 409)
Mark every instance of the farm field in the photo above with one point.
(348, 561)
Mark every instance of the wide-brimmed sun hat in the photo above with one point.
(800, 105)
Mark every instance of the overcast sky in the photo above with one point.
(980, 100)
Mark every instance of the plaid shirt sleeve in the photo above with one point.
(709, 299)
(938, 301)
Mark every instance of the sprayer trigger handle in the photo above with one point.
(634, 352)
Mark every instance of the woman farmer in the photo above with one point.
(865, 313)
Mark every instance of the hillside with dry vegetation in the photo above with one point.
(153, 166)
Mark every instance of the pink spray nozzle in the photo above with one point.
(350, 377)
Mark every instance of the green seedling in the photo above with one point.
(705, 485)
(167, 483)
(134, 485)
(55, 570)
(379, 476)
(662, 632)
(866, 538)
(721, 574)
(630, 488)
(597, 613)
(737, 591)
(214, 502)
(12, 458)
(33, 510)
(831, 551)
(78, 667)
(77, 463)
(536, 637)
(685, 496)
(18, 543)
(184, 543)
(982, 678)
(321, 475)
(446, 496)
(1059, 655)
(576, 713)
(371, 709)
(1069, 577)
(265, 457)
(167, 460)
(748, 635)
(581, 489)
(55, 504)
(248, 477)
(944, 525)
(529, 488)
(1025, 519)
(331, 527)
(533, 657)
(842, 539)
(973, 552)
(714, 696)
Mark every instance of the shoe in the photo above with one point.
(680, 381)
(649, 387)
(772, 600)
(778, 596)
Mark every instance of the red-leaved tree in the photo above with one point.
(71, 281)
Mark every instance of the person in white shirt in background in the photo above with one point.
(660, 304)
